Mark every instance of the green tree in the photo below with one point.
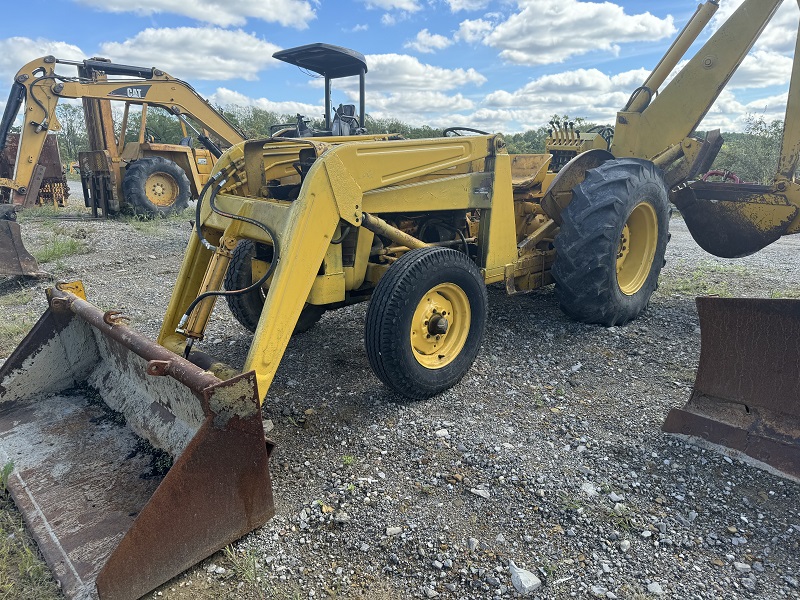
(72, 137)
(752, 155)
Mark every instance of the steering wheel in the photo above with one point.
(454, 131)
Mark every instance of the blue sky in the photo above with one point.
(501, 66)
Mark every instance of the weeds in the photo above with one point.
(18, 298)
(245, 567)
(706, 279)
(348, 460)
(13, 330)
(23, 574)
(4, 475)
(790, 293)
(59, 247)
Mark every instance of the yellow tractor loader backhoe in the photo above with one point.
(145, 176)
(417, 227)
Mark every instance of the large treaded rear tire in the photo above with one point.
(156, 186)
(619, 214)
(446, 284)
(246, 308)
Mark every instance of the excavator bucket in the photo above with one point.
(732, 220)
(15, 260)
(747, 393)
(91, 415)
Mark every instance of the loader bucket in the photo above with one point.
(746, 395)
(15, 260)
(732, 220)
(89, 409)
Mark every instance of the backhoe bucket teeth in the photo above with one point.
(747, 393)
(732, 220)
(15, 260)
(89, 410)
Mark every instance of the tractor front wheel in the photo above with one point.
(249, 262)
(156, 186)
(610, 249)
(425, 321)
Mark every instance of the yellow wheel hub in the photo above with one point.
(161, 189)
(440, 326)
(637, 247)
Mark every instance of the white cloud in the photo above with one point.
(472, 31)
(392, 72)
(429, 42)
(15, 52)
(224, 97)
(778, 36)
(586, 93)
(406, 5)
(551, 31)
(457, 5)
(359, 27)
(417, 108)
(293, 13)
(762, 68)
(196, 53)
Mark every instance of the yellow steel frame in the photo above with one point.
(347, 179)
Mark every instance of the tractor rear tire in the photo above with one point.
(425, 321)
(156, 186)
(610, 249)
(247, 308)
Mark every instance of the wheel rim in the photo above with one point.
(161, 189)
(440, 326)
(637, 247)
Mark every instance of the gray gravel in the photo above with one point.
(548, 453)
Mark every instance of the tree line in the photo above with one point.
(752, 154)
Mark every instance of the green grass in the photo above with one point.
(13, 330)
(18, 298)
(246, 569)
(59, 247)
(706, 279)
(786, 293)
(23, 573)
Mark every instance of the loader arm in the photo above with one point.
(346, 181)
(38, 88)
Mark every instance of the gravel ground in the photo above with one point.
(548, 453)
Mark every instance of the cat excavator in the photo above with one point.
(144, 175)
(418, 228)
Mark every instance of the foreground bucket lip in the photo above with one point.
(746, 396)
(217, 490)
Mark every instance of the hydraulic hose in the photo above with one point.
(218, 181)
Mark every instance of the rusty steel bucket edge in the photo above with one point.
(746, 396)
(78, 474)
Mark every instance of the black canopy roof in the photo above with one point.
(325, 59)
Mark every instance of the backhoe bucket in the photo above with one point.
(15, 260)
(747, 393)
(732, 220)
(89, 413)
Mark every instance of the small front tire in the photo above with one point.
(247, 308)
(425, 321)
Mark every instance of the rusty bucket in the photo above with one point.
(91, 415)
(746, 395)
(15, 260)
